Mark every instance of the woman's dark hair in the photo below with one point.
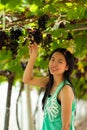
(70, 62)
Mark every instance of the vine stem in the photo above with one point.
(3, 23)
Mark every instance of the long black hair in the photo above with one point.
(70, 62)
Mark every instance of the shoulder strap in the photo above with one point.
(61, 85)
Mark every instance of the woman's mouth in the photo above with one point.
(53, 69)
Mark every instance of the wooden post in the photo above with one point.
(29, 109)
(8, 102)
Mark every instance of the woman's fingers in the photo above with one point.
(33, 50)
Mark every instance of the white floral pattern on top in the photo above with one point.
(51, 108)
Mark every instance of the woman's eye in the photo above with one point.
(60, 62)
(52, 59)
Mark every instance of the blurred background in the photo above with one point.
(30, 110)
(51, 24)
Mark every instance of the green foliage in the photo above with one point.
(61, 23)
(4, 2)
(10, 3)
(81, 45)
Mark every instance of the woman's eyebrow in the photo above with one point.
(58, 59)
(61, 59)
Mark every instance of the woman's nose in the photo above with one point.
(55, 63)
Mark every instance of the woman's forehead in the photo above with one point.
(58, 55)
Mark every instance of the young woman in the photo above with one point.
(58, 101)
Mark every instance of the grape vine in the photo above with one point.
(42, 21)
(9, 40)
(35, 35)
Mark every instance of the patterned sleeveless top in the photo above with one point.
(52, 111)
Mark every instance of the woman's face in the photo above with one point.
(57, 64)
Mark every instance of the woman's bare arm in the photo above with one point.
(28, 73)
(67, 97)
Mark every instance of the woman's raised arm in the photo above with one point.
(28, 77)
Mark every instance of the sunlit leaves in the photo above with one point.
(5, 58)
(34, 2)
(33, 8)
(81, 45)
(76, 12)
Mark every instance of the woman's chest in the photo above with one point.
(53, 90)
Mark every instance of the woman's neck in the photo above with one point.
(58, 79)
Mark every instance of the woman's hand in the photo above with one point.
(28, 74)
(33, 50)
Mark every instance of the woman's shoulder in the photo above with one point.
(67, 92)
(67, 88)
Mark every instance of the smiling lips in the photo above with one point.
(53, 69)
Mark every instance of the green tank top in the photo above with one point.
(52, 111)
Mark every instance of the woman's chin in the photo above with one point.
(53, 72)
